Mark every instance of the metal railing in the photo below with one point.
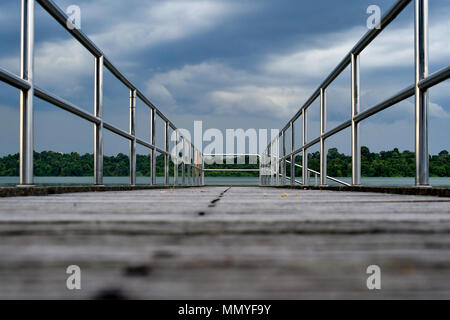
(225, 155)
(316, 174)
(192, 157)
(419, 89)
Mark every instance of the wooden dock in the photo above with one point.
(220, 242)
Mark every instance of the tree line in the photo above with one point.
(383, 164)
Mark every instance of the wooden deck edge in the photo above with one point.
(49, 190)
(420, 191)
(45, 191)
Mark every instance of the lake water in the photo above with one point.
(11, 181)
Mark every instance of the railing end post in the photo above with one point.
(421, 95)
(26, 96)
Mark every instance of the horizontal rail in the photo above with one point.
(402, 95)
(311, 143)
(157, 149)
(230, 155)
(108, 64)
(328, 177)
(231, 170)
(145, 144)
(314, 96)
(65, 105)
(13, 80)
(318, 173)
(61, 17)
(28, 91)
(61, 103)
(306, 146)
(118, 131)
(339, 181)
(390, 16)
(337, 129)
(395, 10)
(148, 145)
(288, 178)
(435, 78)
(399, 97)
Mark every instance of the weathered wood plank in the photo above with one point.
(244, 243)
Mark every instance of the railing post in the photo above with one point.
(203, 168)
(305, 172)
(292, 155)
(98, 127)
(166, 154)
(175, 160)
(133, 134)
(272, 165)
(192, 165)
(263, 167)
(189, 170)
(277, 168)
(196, 168)
(421, 96)
(26, 96)
(356, 148)
(283, 166)
(267, 167)
(260, 169)
(152, 151)
(194, 171)
(183, 166)
(323, 143)
(269, 154)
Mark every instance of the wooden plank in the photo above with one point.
(215, 242)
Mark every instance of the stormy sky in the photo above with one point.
(232, 64)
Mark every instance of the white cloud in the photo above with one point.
(274, 101)
(316, 60)
(12, 64)
(158, 92)
(152, 24)
(61, 64)
(438, 111)
(393, 48)
(220, 89)
(9, 129)
(146, 24)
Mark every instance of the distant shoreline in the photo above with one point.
(385, 164)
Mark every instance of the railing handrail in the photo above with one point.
(318, 173)
(357, 49)
(28, 90)
(231, 155)
(61, 17)
(423, 81)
